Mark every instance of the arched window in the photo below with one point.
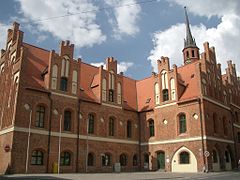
(90, 161)
(65, 159)
(74, 82)
(173, 90)
(90, 123)
(165, 95)
(37, 157)
(227, 157)
(151, 128)
(40, 115)
(182, 123)
(111, 80)
(146, 158)
(215, 156)
(135, 160)
(193, 54)
(65, 67)
(184, 158)
(106, 159)
(215, 119)
(123, 160)
(129, 129)
(156, 91)
(63, 85)
(119, 93)
(104, 89)
(111, 126)
(111, 95)
(67, 120)
(164, 79)
(225, 126)
(54, 76)
(187, 54)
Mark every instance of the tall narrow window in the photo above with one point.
(123, 160)
(193, 54)
(90, 161)
(129, 129)
(65, 67)
(111, 95)
(215, 156)
(165, 95)
(64, 82)
(146, 158)
(151, 128)
(104, 90)
(164, 78)
(54, 76)
(106, 160)
(225, 97)
(238, 137)
(119, 93)
(184, 158)
(156, 89)
(182, 123)
(90, 123)
(225, 126)
(67, 121)
(215, 123)
(37, 158)
(111, 127)
(135, 160)
(74, 82)
(111, 80)
(40, 115)
(227, 158)
(65, 159)
(173, 90)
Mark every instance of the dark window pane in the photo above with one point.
(64, 82)
(111, 127)
(106, 160)
(123, 160)
(111, 95)
(215, 158)
(151, 128)
(90, 159)
(165, 95)
(65, 159)
(182, 123)
(135, 160)
(184, 158)
(67, 121)
(40, 114)
(37, 158)
(129, 129)
(90, 124)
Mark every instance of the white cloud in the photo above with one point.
(225, 37)
(121, 67)
(126, 15)
(81, 29)
(3, 35)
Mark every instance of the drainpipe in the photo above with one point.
(201, 123)
(78, 135)
(139, 142)
(49, 131)
(234, 139)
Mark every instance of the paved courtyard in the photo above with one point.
(128, 176)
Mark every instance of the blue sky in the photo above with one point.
(135, 33)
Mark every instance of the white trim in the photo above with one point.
(235, 105)
(215, 102)
(198, 138)
(236, 125)
(64, 95)
(7, 130)
(110, 105)
(165, 105)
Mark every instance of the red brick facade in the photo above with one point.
(107, 118)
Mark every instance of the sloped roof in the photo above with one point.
(129, 94)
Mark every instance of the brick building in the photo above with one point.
(56, 110)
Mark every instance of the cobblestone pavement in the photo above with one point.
(127, 176)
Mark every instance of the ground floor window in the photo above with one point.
(65, 159)
(106, 160)
(37, 158)
(123, 159)
(184, 157)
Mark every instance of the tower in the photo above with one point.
(190, 50)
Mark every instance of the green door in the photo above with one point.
(161, 160)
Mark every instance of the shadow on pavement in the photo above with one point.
(31, 178)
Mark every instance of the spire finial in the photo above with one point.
(189, 41)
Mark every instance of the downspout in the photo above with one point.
(201, 123)
(78, 135)
(49, 131)
(234, 139)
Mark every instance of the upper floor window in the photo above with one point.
(164, 79)
(215, 119)
(67, 120)
(37, 157)
(173, 90)
(182, 123)
(119, 93)
(165, 95)
(151, 128)
(54, 76)
(65, 159)
(63, 85)
(65, 67)
(74, 82)
(156, 89)
(225, 126)
(129, 129)
(40, 115)
(123, 159)
(111, 95)
(111, 127)
(184, 158)
(111, 80)
(104, 89)
(90, 123)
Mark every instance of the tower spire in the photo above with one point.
(189, 41)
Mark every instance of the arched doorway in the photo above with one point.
(227, 160)
(161, 160)
(215, 160)
(184, 161)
